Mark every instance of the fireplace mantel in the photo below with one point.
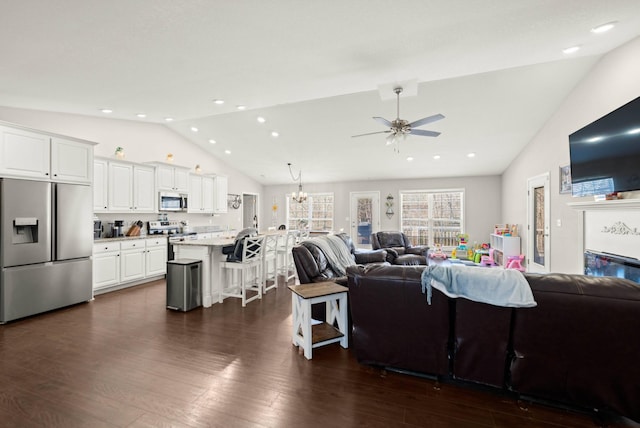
(617, 204)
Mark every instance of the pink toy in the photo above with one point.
(488, 260)
(515, 262)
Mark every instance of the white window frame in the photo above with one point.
(310, 218)
(429, 218)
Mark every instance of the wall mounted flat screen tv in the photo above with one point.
(605, 155)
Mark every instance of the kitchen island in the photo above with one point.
(210, 252)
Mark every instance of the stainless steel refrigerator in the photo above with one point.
(46, 240)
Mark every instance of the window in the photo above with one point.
(430, 217)
(316, 213)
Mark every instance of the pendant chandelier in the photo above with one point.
(300, 196)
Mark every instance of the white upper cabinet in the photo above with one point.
(120, 187)
(144, 191)
(30, 154)
(71, 161)
(131, 187)
(171, 178)
(207, 194)
(220, 185)
(200, 194)
(100, 185)
(24, 153)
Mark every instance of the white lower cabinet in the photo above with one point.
(132, 260)
(106, 264)
(156, 257)
(129, 261)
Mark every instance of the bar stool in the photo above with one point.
(250, 269)
(286, 266)
(270, 262)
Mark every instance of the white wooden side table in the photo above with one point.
(306, 332)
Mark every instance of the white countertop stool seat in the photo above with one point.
(246, 274)
(286, 266)
(270, 262)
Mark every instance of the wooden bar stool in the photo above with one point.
(249, 269)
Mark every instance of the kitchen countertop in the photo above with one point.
(211, 242)
(128, 238)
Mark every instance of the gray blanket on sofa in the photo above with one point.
(335, 250)
(495, 286)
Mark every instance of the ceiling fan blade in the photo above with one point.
(426, 120)
(424, 133)
(371, 133)
(383, 121)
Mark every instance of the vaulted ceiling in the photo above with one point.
(317, 72)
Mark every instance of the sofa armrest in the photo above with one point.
(370, 256)
(418, 249)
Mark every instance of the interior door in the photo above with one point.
(365, 217)
(538, 236)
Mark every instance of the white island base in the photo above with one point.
(210, 252)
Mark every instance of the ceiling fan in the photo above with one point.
(400, 128)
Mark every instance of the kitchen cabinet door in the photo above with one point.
(195, 194)
(132, 263)
(144, 194)
(156, 261)
(181, 180)
(220, 184)
(172, 178)
(207, 195)
(100, 185)
(71, 161)
(24, 154)
(120, 187)
(106, 269)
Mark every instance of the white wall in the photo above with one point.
(482, 210)
(142, 142)
(612, 82)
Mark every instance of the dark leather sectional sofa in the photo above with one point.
(578, 347)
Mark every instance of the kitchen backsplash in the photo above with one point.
(197, 222)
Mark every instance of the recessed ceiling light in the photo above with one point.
(141, 115)
(604, 27)
(168, 119)
(261, 119)
(212, 141)
(241, 107)
(436, 157)
(228, 152)
(219, 102)
(409, 158)
(570, 50)
(194, 129)
(106, 110)
(274, 133)
(471, 155)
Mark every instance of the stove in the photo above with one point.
(164, 227)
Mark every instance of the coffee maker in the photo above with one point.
(116, 228)
(97, 228)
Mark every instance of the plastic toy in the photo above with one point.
(515, 262)
(488, 260)
(437, 253)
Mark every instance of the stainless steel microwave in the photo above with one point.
(172, 201)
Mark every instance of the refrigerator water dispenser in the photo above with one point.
(25, 230)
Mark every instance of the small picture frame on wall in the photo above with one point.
(565, 179)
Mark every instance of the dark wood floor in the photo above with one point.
(124, 360)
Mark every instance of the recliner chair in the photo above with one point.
(399, 248)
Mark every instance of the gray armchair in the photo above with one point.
(399, 248)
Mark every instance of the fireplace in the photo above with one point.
(611, 237)
(607, 264)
